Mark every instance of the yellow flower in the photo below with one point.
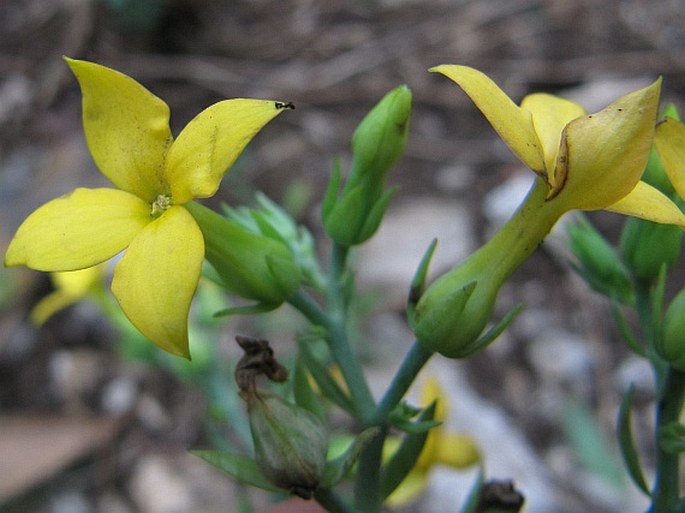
(70, 287)
(589, 162)
(441, 448)
(128, 135)
(585, 162)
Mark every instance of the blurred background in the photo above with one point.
(93, 420)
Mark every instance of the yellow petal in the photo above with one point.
(157, 277)
(457, 451)
(649, 203)
(606, 153)
(670, 144)
(512, 123)
(78, 283)
(50, 305)
(210, 144)
(126, 127)
(409, 489)
(550, 115)
(78, 230)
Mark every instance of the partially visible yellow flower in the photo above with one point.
(70, 287)
(442, 447)
(669, 141)
(128, 135)
(589, 161)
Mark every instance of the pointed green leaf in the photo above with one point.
(418, 283)
(239, 466)
(627, 444)
(474, 493)
(329, 388)
(336, 469)
(403, 460)
(305, 396)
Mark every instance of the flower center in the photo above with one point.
(160, 205)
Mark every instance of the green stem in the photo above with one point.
(666, 490)
(339, 343)
(412, 364)
(332, 502)
(367, 486)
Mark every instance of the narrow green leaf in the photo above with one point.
(403, 460)
(305, 396)
(336, 469)
(329, 388)
(474, 493)
(624, 329)
(239, 466)
(627, 444)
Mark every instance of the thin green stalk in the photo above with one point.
(339, 343)
(332, 502)
(670, 394)
(367, 485)
(412, 364)
(666, 490)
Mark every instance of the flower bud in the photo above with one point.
(647, 246)
(597, 261)
(671, 346)
(377, 143)
(250, 265)
(290, 442)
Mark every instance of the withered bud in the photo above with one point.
(290, 442)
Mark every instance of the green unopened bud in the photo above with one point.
(597, 261)
(377, 143)
(249, 264)
(646, 246)
(453, 312)
(671, 346)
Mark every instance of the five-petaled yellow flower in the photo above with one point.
(128, 135)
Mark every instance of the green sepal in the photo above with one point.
(404, 458)
(256, 308)
(474, 493)
(241, 467)
(329, 388)
(418, 283)
(400, 417)
(344, 221)
(375, 216)
(337, 468)
(489, 336)
(303, 393)
(626, 442)
(332, 190)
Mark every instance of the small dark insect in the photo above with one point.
(284, 105)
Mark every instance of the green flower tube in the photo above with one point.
(250, 265)
(455, 309)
